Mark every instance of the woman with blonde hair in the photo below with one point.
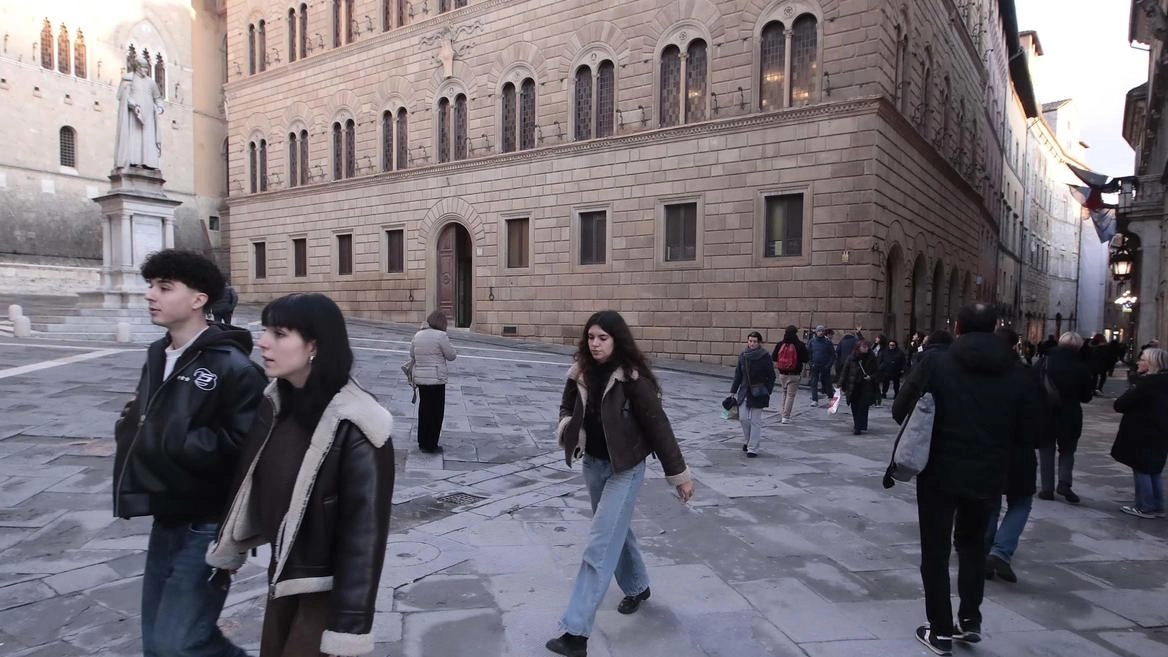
(1142, 441)
(1067, 384)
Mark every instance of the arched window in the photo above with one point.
(605, 99)
(336, 23)
(338, 152)
(460, 127)
(443, 130)
(946, 94)
(304, 178)
(263, 165)
(583, 104)
(508, 118)
(262, 45)
(291, 35)
(772, 70)
(350, 148)
(403, 15)
(527, 114)
(349, 21)
(293, 156)
(63, 60)
(302, 37)
(901, 90)
(251, 50)
(443, 6)
(804, 68)
(68, 147)
(160, 74)
(253, 167)
(695, 82)
(387, 10)
(670, 107)
(79, 64)
(927, 92)
(387, 141)
(402, 138)
(47, 45)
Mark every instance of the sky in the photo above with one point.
(1087, 57)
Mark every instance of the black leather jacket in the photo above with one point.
(178, 440)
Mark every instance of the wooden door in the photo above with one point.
(446, 270)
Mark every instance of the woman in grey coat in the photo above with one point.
(429, 351)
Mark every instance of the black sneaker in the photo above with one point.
(968, 631)
(940, 645)
(745, 447)
(1068, 494)
(1002, 568)
(569, 645)
(1045, 495)
(630, 603)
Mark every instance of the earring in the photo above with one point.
(311, 358)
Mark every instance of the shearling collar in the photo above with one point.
(354, 404)
(619, 374)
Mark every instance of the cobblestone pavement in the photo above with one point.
(799, 552)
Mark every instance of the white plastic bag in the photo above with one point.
(835, 401)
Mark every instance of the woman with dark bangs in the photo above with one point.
(315, 483)
(611, 418)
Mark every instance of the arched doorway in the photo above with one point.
(455, 281)
(893, 292)
(917, 315)
(938, 297)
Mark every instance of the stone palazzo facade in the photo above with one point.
(706, 168)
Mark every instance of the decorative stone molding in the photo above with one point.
(452, 43)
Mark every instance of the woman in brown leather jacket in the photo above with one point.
(315, 483)
(611, 418)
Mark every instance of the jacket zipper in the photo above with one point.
(141, 424)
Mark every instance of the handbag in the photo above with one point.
(910, 452)
(757, 390)
(407, 368)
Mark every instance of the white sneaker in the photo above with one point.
(785, 421)
(814, 403)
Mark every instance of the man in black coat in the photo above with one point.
(980, 417)
(1071, 386)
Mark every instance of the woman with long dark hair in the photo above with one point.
(858, 383)
(611, 419)
(315, 483)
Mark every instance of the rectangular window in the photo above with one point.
(213, 222)
(593, 236)
(517, 256)
(681, 232)
(260, 259)
(395, 251)
(344, 254)
(784, 225)
(300, 257)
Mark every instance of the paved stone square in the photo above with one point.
(799, 552)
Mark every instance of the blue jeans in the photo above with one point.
(180, 603)
(1149, 492)
(821, 381)
(1002, 540)
(612, 548)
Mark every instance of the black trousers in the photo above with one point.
(861, 402)
(431, 411)
(895, 381)
(947, 520)
(1100, 379)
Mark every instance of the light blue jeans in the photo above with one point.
(1002, 540)
(1149, 492)
(612, 548)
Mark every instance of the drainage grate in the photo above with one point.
(460, 499)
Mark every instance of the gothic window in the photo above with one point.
(772, 66)
(901, 82)
(336, 23)
(605, 99)
(527, 114)
(350, 148)
(160, 74)
(303, 157)
(444, 130)
(695, 82)
(459, 4)
(387, 141)
(302, 36)
(291, 35)
(402, 14)
(293, 156)
(47, 45)
(583, 103)
(387, 15)
(670, 110)
(63, 59)
(262, 45)
(68, 147)
(252, 167)
(803, 65)
(79, 56)
(403, 154)
(263, 165)
(460, 127)
(443, 6)
(251, 50)
(338, 147)
(927, 92)
(945, 96)
(349, 21)
(508, 118)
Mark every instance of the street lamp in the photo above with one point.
(1121, 262)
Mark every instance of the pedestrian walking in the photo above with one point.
(1101, 361)
(822, 354)
(1045, 347)
(1067, 379)
(611, 418)
(315, 483)
(934, 343)
(789, 357)
(178, 443)
(980, 417)
(754, 382)
(891, 364)
(223, 308)
(1001, 541)
(843, 351)
(858, 383)
(1142, 441)
(430, 351)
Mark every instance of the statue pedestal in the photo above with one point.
(137, 220)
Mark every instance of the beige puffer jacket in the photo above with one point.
(430, 350)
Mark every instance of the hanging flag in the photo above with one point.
(1089, 197)
(1104, 220)
(1095, 180)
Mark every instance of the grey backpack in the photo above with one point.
(910, 453)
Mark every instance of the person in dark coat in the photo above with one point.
(843, 350)
(1002, 540)
(822, 356)
(1047, 345)
(754, 381)
(1142, 441)
(858, 383)
(1102, 360)
(789, 377)
(981, 418)
(1070, 387)
(224, 307)
(891, 364)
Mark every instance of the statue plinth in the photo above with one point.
(137, 220)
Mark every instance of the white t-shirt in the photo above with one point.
(174, 353)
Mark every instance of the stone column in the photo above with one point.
(106, 252)
(1151, 261)
(168, 232)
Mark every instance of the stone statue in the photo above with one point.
(139, 142)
